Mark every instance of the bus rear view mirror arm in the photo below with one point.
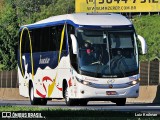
(143, 44)
(74, 44)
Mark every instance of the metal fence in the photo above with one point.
(149, 71)
(8, 79)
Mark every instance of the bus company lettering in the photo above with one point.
(90, 79)
(44, 60)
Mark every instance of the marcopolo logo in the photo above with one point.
(110, 81)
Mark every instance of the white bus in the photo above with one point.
(79, 57)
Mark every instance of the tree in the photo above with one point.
(16, 13)
(8, 36)
(147, 26)
(57, 7)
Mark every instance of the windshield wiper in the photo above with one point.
(117, 61)
(118, 65)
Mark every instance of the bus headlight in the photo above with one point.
(134, 82)
(83, 82)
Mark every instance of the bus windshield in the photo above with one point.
(105, 53)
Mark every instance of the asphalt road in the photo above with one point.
(100, 105)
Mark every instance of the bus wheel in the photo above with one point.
(43, 101)
(33, 100)
(83, 102)
(121, 102)
(69, 102)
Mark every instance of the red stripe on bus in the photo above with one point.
(40, 94)
(59, 88)
(47, 78)
(70, 82)
(44, 87)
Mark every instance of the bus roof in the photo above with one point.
(89, 19)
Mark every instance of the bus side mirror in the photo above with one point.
(74, 44)
(143, 44)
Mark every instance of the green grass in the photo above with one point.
(17, 108)
(58, 113)
(149, 27)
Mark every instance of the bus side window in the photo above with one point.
(36, 40)
(22, 43)
(47, 40)
(25, 43)
(54, 38)
(33, 40)
(44, 40)
(73, 57)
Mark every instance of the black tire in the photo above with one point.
(33, 100)
(82, 102)
(43, 101)
(121, 102)
(69, 102)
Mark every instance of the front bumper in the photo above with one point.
(87, 92)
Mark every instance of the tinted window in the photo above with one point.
(59, 35)
(25, 45)
(44, 39)
(73, 57)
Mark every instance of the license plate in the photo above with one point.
(111, 92)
